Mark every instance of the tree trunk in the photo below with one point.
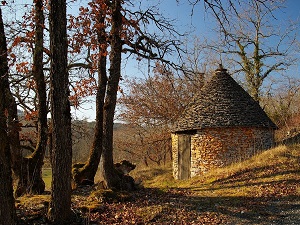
(7, 206)
(14, 141)
(109, 174)
(30, 176)
(88, 171)
(60, 205)
(39, 153)
(14, 137)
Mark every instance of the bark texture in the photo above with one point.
(7, 207)
(39, 153)
(30, 169)
(60, 205)
(88, 170)
(109, 173)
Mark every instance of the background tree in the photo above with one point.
(82, 134)
(256, 46)
(88, 170)
(30, 176)
(158, 99)
(283, 106)
(151, 106)
(38, 185)
(109, 174)
(60, 205)
(132, 40)
(144, 146)
(7, 207)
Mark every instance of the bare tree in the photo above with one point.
(143, 145)
(157, 100)
(282, 104)
(151, 106)
(256, 46)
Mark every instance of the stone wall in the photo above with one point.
(175, 155)
(218, 147)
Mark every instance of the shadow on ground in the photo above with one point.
(181, 207)
(175, 206)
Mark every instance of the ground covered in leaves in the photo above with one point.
(153, 206)
(264, 190)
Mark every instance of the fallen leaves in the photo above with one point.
(264, 194)
(171, 206)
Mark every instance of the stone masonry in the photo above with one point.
(221, 125)
(218, 147)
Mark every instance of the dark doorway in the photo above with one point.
(184, 156)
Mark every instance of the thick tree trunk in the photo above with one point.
(109, 174)
(14, 137)
(7, 207)
(60, 205)
(88, 171)
(14, 141)
(30, 175)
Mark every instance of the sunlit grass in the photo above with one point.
(277, 165)
(47, 177)
(158, 177)
(273, 173)
(280, 164)
(33, 200)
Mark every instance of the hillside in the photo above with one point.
(262, 190)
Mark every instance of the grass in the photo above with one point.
(154, 176)
(256, 191)
(280, 165)
(47, 177)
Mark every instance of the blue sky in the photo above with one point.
(199, 24)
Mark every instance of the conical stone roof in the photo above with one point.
(222, 102)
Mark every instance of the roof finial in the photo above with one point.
(220, 69)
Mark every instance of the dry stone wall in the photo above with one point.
(175, 155)
(218, 147)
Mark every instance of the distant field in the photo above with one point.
(47, 177)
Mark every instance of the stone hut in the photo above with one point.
(223, 124)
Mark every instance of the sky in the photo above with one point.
(195, 21)
(185, 20)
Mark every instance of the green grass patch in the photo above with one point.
(47, 177)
